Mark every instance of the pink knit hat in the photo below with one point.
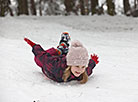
(77, 55)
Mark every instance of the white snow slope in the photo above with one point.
(114, 39)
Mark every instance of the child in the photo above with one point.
(64, 64)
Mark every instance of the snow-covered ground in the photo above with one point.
(114, 39)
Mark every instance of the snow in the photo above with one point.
(114, 39)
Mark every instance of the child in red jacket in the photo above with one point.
(64, 64)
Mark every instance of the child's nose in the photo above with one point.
(79, 69)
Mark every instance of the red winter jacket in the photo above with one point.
(53, 65)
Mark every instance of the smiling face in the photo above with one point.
(77, 70)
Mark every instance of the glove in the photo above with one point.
(94, 57)
(29, 42)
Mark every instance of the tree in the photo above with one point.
(5, 8)
(23, 7)
(110, 7)
(134, 10)
(101, 9)
(94, 6)
(70, 7)
(86, 7)
(53, 8)
(40, 7)
(82, 7)
(135, 4)
(33, 8)
(126, 7)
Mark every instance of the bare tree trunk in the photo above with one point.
(33, 8)
(5, 8)
(110, 7)
(10, 10)
(86, 7)
(2, 11)
(23, 7)
(101, 9)
(69, 6)
(135, 4)
(94, 6)
(82, 7)
(40, 8)
(126, 7)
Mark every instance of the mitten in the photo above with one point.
(94, 57)
(29, 42)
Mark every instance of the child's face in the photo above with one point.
(77, 70)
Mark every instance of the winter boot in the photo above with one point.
(63, 44)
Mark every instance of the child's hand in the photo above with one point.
(95, 58)
(29, 42)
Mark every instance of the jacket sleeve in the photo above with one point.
(43, 56)
(48, 59)
(90, 67)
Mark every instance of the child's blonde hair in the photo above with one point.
(67, 73)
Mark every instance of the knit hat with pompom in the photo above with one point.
(77, 55)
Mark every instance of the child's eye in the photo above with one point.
(80, 67)
(83, 67)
